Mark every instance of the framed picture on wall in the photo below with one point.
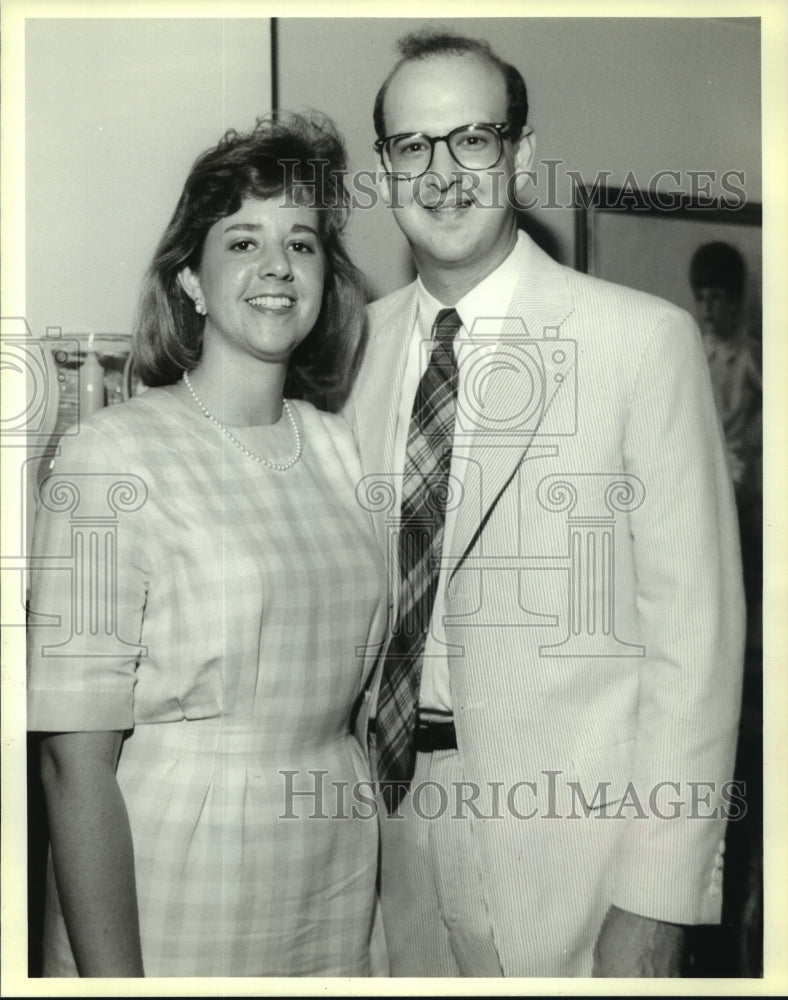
(646, 241)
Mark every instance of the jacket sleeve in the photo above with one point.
(690, 606)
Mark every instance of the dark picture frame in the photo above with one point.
(645, 239)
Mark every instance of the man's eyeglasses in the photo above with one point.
(474, 147)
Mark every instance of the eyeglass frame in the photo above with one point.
(498, 127)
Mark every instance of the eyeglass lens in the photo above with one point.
(475, 147)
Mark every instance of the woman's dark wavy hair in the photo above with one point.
(302, 160)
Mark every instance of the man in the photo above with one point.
(554, 719)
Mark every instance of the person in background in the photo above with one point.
(567, 616)
(244, 581)
(718, 279)
(717, 276)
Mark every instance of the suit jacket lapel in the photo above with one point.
(513, 403)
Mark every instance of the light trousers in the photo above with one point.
(433, 891)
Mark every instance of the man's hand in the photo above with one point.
(633, 946)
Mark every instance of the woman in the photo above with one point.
(219, 681)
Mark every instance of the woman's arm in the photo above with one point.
(92, 851)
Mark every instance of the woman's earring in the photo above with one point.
(199, 306)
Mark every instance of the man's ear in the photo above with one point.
(525, 149)
(190, 283)
(524, 157)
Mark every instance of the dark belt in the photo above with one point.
(431, 736)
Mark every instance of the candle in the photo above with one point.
(91, 386)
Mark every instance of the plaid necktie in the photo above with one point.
(422, 516)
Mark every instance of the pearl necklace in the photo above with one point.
(276, 466)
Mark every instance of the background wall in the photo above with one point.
(116, 112)
(117, 109)
(606, 94)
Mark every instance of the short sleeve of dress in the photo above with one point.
(88, 587)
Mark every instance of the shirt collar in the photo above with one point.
(491, 297)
